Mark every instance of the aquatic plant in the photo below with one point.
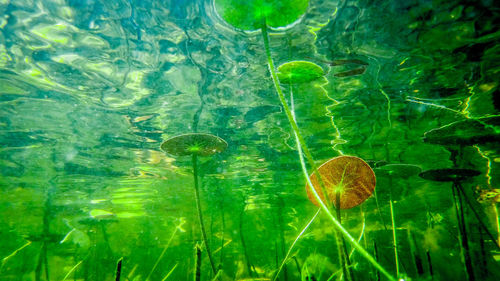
(349, 181)
(301, 72)
(402, 171)
(118, 269)
(317, 267)
(259, 14)
(170, 272)
(456, 176)
(358, 69)
(5, 259)
(197, 263)
(285, 259)
(254, 14)
(196, 144)
(162, 253)
(466, 132)
(296, 72)
(72, 270)
(455, 136)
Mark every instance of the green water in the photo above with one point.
(89, 91)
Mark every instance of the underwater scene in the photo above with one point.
(249, 140)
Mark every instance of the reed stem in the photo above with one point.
(197, 263)
(394, 238)
(118, 269)
(162, 254)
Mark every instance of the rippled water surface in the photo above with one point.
(90, 89)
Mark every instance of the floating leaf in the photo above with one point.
(296, 72)
(449, 174)
(349, 175)
(252, 14)
(195, 143)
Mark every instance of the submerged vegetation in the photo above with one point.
(113, 112)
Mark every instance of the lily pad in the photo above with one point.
(296, 72)
(349, 175)
(466, 132)
(399, 170)
(449, 174)
(90, 221)
(194, 143)
(45, 237)
(353, 72)
(252, 14)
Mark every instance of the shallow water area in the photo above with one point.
(257, 94)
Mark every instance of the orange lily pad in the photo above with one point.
(349, 175)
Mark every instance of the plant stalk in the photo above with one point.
(285, 259)
(344, 256)
(200, 216)
(119, 269)
(162, 254)
(197, 263)
(394, 237)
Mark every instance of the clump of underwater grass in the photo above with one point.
(258, 14)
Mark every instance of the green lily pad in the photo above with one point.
(194, 143)
(100, 214)
(399, 170)
(466, 132)
(90, 221)
(252, 14)
(449, 174)
(296, 72)
(45, 237)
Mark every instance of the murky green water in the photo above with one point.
(89, 91)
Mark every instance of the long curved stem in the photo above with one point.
(308, 155)
(341, 245)
(162, 254)
(284, 103)
(200, 216)
(285, 259)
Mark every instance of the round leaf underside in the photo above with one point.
(251, 14)
(399, 170)
(195, 143)
(466, 132)
(296, 72)
(349, 175)
(449, 175)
